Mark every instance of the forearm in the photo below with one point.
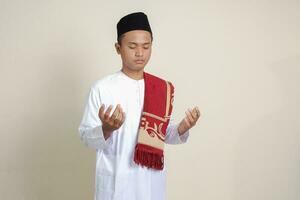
(173, 136)
(93, 137)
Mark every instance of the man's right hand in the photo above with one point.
(114, 122)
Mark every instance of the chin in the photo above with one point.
(137, 67)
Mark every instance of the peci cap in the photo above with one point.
(133, 21)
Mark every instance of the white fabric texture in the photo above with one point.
(117, 177)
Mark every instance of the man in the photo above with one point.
(127, 120)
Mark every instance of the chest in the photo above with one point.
(129, 95)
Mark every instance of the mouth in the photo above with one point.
(139, 61)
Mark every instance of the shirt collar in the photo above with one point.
(125, 76)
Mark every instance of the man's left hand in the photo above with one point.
(192, 115)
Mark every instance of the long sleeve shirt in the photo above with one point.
(117, 176)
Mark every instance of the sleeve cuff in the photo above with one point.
(95, 139)
(101, 138)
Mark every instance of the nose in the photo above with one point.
(139, 52)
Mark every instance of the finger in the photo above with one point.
(117, 120)
(189, 116)
(115, 113)
(120, 109)
(187, 122)
(197, 111)
(123, 118)
(193, 113)
(120, 117)
(121, 112)
(107, 113)
(120, 121)
(101, 112)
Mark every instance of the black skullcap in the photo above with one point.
(133, 21)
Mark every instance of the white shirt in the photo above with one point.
(118, 177)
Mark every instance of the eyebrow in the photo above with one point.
(137, 43)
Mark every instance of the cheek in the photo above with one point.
(148, 53)
(129, 55)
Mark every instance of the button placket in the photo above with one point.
(138, 96)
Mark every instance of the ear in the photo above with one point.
(117, 46)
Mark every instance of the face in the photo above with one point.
(135, 49)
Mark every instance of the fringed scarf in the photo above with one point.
(158, 105)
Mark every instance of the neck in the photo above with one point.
(137, 75)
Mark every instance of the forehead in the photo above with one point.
(137, 36)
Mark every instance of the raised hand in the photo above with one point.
(113, 122)
(189, 121)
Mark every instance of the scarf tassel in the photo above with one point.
(148, 156)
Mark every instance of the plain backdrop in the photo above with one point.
(238, 61)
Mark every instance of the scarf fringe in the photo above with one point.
(149, 156)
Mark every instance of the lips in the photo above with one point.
(139, 61)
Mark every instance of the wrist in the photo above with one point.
(106, 133)
(180, 130)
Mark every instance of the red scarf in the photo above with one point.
(158, 105)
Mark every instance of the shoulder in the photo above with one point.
(106, 81)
